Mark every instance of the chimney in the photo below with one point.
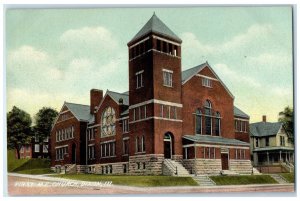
(264, 118)
(96, 96)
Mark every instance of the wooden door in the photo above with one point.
(224, 158)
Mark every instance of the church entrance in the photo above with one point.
(73, 153)
(168, 145)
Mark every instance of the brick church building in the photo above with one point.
(169, 120)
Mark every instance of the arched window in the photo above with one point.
(108, 122)
(208, 118)
(198, 121)
(218, 124)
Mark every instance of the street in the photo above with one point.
(14, 190)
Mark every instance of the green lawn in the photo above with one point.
(290, 177)
(243, 179)
(134, 180)
(27, 166)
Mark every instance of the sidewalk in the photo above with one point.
(93, 186)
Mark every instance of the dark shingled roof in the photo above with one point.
(185, 75)
(214, 139)
(155, 25)
(116, 97)
(81, 112)
(239, 113)
(262, 129)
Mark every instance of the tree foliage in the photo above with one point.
(44, 120)
(18, 128)
(287, 118)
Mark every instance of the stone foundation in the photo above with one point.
(149, 164)
(177, 158)
(81, 168)
(203, 166)
(240, 166)
(111, 168)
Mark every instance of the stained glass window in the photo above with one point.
(108, 122)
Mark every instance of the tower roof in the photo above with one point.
(155, 25)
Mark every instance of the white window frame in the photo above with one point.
(206, 82)
(139, 79)
(167, 78)
(36, 148)
(45, 150)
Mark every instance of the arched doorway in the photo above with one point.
(168, 145)
(73, 153)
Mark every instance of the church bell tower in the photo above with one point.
(154, 96)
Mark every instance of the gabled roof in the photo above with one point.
(155, 25)
(189, 73)
(117, 96)
(81, 112)
(262, 129)
(239, 113)
(214, 139)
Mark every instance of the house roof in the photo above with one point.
(155, 25)
(81, 112)
(239, 113)
(214, 139)
(187, 74)
(262, 129)
(117, 96)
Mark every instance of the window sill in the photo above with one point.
(108, 157)
(142, 152)
(168, 86)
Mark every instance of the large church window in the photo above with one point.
(108, 122)
(208, 118)
(198, 121)
(218, 124)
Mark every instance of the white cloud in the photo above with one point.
(255, 36)
(225, 71)
(28, 63)
(278, 60)
(95, 42)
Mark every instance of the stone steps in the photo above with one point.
(172, 165)
(278, 178)
(204, 181)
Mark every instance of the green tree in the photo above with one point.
(44, 120)
(287, 118)
(18, 129)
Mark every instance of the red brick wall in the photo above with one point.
(194, 96)
(76, 140)
(109, 102)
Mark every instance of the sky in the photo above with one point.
(57, 55)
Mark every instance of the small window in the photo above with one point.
(167, 76)
(139, 79)
(45, 149)
(256, 142)
(206, 82)
(144, 165)
(36, 148)
(161, 110)
(267, 141)
(124, 168)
